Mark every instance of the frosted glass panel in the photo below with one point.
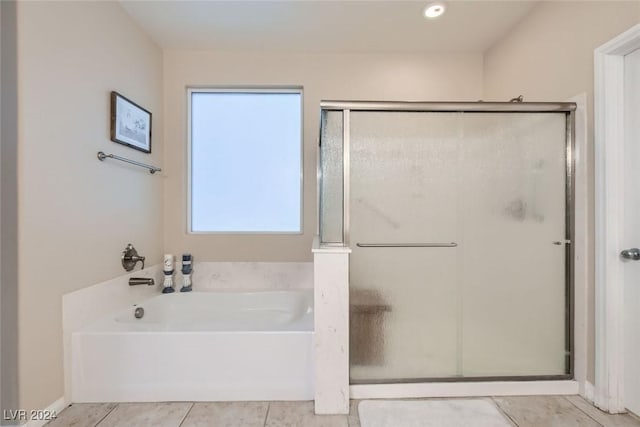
(494, 305)
(404, 305)
(331, 167)
(513, 292)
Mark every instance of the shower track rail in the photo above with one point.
(470, 107)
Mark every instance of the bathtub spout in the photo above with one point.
(133, 281)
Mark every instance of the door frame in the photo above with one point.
(609, 215)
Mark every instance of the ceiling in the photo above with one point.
(326, 25)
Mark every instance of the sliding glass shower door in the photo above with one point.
(457, 225)
(404, 299)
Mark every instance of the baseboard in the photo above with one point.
(55, 408)
(461, 389)
(588, 392)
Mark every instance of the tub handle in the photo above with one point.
(130, 257)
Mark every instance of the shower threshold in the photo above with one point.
(464, 379)
(465, 389)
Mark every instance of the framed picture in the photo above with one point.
(130, 123)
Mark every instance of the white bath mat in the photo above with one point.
(431, 413)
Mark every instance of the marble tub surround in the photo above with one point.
(331, 320)
(87, 305)
(249, 275)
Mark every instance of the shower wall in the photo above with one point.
(519, 64)
(457, 226)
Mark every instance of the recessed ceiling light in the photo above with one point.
(434, 10)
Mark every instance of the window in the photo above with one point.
(245, 161)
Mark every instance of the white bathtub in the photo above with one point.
(199, 346)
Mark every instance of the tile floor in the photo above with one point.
(521, 411)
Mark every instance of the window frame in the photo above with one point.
(241, 89)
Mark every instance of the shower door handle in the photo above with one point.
(632, 254)
(407, 245)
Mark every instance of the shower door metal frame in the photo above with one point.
(568, 108)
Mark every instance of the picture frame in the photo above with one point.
(130, 123)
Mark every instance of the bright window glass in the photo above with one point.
(246, 161)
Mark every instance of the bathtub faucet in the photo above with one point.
(133, 281)
(130, 258)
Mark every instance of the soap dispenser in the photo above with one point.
(169, 265)
(187, 268)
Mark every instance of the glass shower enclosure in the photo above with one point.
(459, 218)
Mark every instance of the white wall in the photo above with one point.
(548, 56)
(435, 77)
(76, 213)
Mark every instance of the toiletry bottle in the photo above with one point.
(187, 268)
(168, 269)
